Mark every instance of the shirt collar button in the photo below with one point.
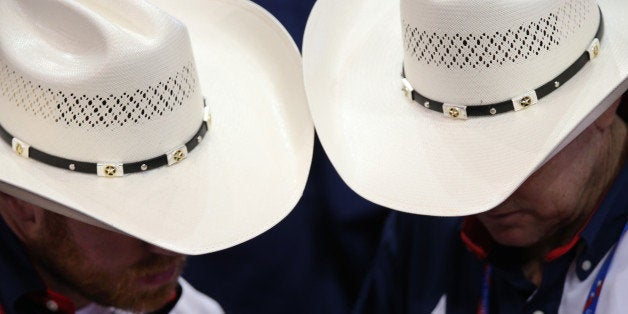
(52, 306)
(586, 265)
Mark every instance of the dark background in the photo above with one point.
(315, 260)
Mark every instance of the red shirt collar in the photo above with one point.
(53, 301)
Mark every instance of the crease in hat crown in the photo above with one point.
(87, 81)
(475, 52)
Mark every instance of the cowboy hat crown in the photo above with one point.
(112, 91)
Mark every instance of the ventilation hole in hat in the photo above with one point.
(486, 50)
(100, 110)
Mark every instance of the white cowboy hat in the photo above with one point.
(100, 89)
(482, 59)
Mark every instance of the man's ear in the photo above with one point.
(606, 119)
(23, 218)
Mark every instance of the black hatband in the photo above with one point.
(106, 169)
(509, 105)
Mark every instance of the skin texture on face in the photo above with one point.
(90, 264)
(556, 201)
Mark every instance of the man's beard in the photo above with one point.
(56, 252)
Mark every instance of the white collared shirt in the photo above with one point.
(190, 302)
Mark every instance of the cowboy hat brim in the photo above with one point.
(394, 153)
(243, 178)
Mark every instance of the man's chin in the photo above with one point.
(512, 235)
(512, 238)
(515, 242)
(148, 300)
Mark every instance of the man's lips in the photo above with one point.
(161, 277)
